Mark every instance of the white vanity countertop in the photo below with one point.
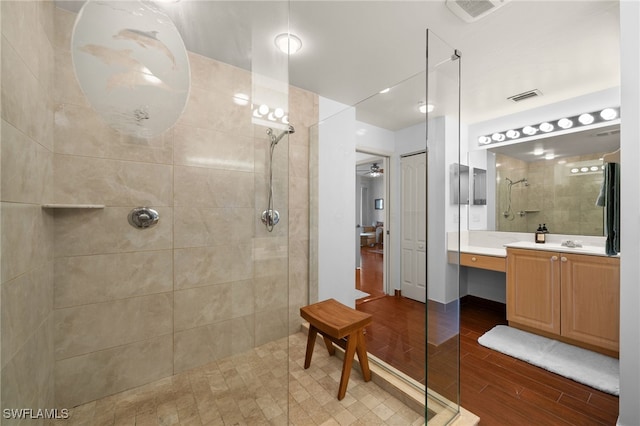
(487, 251)
(589, 250)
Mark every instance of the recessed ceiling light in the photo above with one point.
(425, 108)
(288, 43)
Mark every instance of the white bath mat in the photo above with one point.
(590, 368)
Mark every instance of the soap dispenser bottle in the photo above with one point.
(540, 235)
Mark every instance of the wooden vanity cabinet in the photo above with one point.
(533, 289)
(575, 297)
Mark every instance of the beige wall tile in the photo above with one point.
(211, 188)
(87, 377)
(210, 74)
(16, 17)
(80, 130)
(198, 346)
(67, 89)
(271, 291)
(24, 103)
(27, 379)
(26, 303)
(207, 305)
(64, 21)
(198, 147)
(100, 231)
(27, 238)
(202, 306)
(81, 280)
(197, 227)
(89, 328)
(111, 182)
(299, 160)
(197, 267)
(271, 325)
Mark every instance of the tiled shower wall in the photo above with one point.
(118, 307)
(27, 230)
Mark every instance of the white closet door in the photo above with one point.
(414, 227)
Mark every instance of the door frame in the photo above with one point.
(385, 156)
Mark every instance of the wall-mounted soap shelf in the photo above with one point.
(73, 206)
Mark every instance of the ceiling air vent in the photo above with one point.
(525, 95)
(472, 10)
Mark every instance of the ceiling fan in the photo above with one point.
(372, 171)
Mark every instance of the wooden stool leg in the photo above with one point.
(361, 349)
(329, 345)
(352, 343)
(311, 342)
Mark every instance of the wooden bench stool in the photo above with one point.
(343, 326)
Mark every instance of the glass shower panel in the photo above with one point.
(443, 228)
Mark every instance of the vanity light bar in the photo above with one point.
(550, 127)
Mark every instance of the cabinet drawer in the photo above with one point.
(480, 261)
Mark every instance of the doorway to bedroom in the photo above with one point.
(371, 219)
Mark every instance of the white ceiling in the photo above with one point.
(353, 49)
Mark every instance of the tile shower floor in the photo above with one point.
(250, 389)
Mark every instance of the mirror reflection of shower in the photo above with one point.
(271, 217)
(508, 213)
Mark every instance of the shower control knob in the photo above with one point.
(143, 217)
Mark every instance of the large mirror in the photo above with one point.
(553, 180)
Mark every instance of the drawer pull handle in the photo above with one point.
(564, 259)
(554, 258)
(473, 259)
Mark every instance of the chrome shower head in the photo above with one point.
(275, 139)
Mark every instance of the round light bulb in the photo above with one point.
(575, 170)
(263, 109)
(483, 140)
(565, 123)
(498, 137)
(529, 130)
(584, 169)
(586, 119)
(608, 114)
(279, 112)
(594, 168)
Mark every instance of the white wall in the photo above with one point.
(336, 201)
(630, 216)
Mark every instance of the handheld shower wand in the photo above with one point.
(271, 217)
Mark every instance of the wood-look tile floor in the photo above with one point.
(251, 389)
(500, 389)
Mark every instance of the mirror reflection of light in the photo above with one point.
(538, 151)
(149, 76)
(594, 168)
(529, 130)
(279, 112)
(483, 140)
(562, 161)
(546, 127)
(586, 119)
(575, 170)
(512, 134)
(584, 169)
(241, 99)
(383, 91)
(549, 156)
(263, 109)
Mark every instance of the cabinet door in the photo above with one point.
(591, 299)
(533, 289)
